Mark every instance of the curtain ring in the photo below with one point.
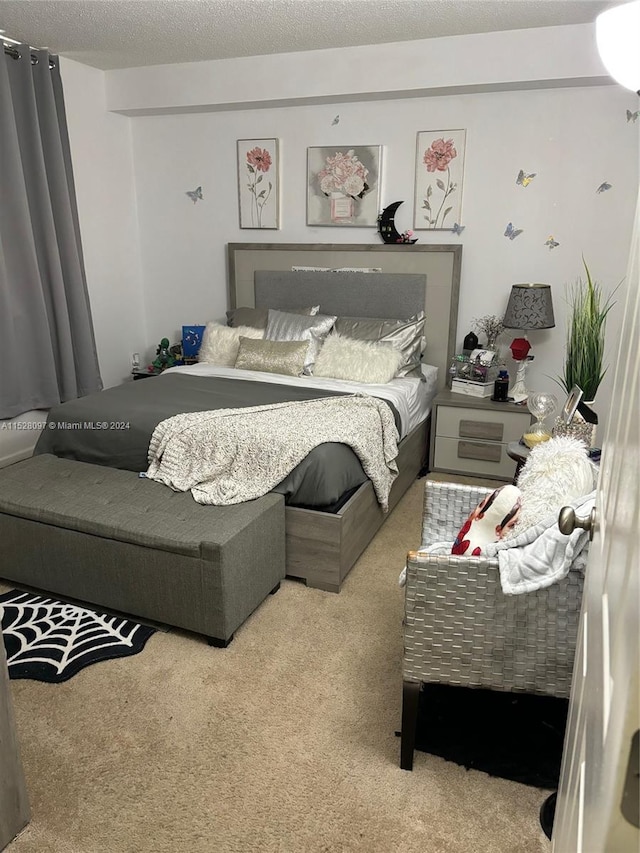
(34, 59)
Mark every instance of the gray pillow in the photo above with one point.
(257, 317)
(272, 356)
(405, 335)
(283, 326)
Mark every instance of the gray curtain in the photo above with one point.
(47, 345)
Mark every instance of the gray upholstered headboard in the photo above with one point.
(345, 294)
(397, 291)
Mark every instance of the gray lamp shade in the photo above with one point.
(530, 307)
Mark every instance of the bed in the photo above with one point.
(325, 534)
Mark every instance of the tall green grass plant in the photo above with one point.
(584, 356)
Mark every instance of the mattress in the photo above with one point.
(410, 397)
(114, 427)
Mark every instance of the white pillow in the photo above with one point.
(220, 343)
(359, 361)
(556, 473)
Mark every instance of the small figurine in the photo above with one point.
(164, 356)
(176, 352)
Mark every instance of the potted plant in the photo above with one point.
(584, 354)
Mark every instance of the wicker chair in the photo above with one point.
(461, 629)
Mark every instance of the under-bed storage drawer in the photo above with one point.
(471, 435)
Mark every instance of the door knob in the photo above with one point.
(568, 521)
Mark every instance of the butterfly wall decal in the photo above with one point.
(523, 179)
(512, 232)
(336, 120)
(458, 229)
(195, 195)
(633, 116)
(551, 243)
(604, 186)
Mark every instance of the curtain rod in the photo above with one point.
(9, 48)
(14, 53)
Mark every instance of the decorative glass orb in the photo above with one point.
(541, 406)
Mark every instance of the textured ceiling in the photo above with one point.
(128, 33)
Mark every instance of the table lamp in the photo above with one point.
(529, 307)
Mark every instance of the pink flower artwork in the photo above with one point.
(343, 186)
(258, 161)
(257, 177)
(343, 179)
(344, 173)
(440, 155)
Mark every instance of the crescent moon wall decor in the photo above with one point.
(387, 227)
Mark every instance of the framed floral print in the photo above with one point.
(439, 176)
(259, 183)
(343, 185)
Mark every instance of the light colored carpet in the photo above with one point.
(282, 743)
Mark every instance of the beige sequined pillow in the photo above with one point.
(272, 356)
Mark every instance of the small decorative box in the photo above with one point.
(472, 389)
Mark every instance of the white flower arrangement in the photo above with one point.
(344, 173)
(491, 326)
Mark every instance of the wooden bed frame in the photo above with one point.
(322, 547)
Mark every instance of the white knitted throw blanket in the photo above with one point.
(229, 456)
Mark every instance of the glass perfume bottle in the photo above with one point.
(541, 406)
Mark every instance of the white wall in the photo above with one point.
(573, 139)
(18, 436)
(105, 186)
(532, 58)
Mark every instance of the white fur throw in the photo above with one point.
(359, 361)
(556, 473)
(220, 343)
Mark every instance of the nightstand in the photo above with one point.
(470, 435)
(143, 373)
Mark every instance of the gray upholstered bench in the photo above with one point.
(113, 539)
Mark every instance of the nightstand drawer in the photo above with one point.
(473, 457)
(478, 425)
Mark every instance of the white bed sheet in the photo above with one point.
(410, 397)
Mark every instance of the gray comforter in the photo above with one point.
(114, 428)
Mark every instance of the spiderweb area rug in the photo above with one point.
(49, 640)
(515, 736)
